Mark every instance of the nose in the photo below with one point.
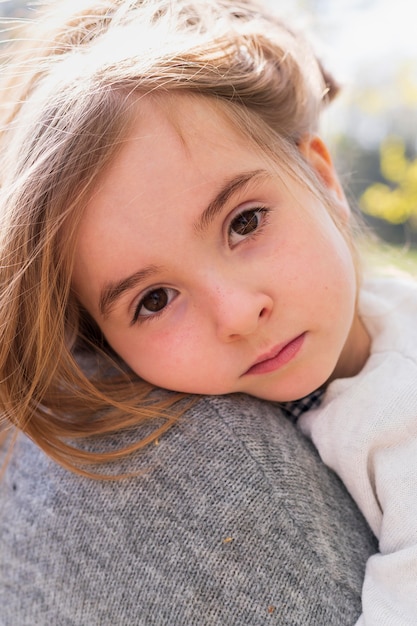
(240, 312)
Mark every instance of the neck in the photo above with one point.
(355, 352)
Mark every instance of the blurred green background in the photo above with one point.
(371, 48)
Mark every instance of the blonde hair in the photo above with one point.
(67, 102)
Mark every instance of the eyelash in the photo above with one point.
(140, 319)
(262, 211)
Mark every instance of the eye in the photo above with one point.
(246, 224)
(153, 303)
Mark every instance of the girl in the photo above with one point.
(170, 221)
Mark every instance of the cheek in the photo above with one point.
(320, 272)
(159, 357)
(336, 288)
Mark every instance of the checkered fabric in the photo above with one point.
(295, 408)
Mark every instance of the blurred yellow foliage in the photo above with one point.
(395, 202)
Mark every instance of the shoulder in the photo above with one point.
(212, 530)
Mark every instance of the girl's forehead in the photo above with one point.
(191, 117)
(173, 147)
(179, 140)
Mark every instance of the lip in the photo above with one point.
(277, 357)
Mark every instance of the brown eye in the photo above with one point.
(246, 223)
(154, 302)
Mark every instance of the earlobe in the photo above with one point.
(318, 156)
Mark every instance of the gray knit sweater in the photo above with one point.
(234, 522)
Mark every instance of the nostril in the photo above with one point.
(263, 312)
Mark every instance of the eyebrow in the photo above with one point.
(230, 188)
(111, 292)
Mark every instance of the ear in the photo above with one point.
(318, 156)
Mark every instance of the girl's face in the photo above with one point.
(209, 274)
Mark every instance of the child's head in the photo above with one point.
(135, 119)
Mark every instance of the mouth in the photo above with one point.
(277, 357)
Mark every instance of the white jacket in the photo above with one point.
(366, 431)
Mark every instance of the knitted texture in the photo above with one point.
(233, 522)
